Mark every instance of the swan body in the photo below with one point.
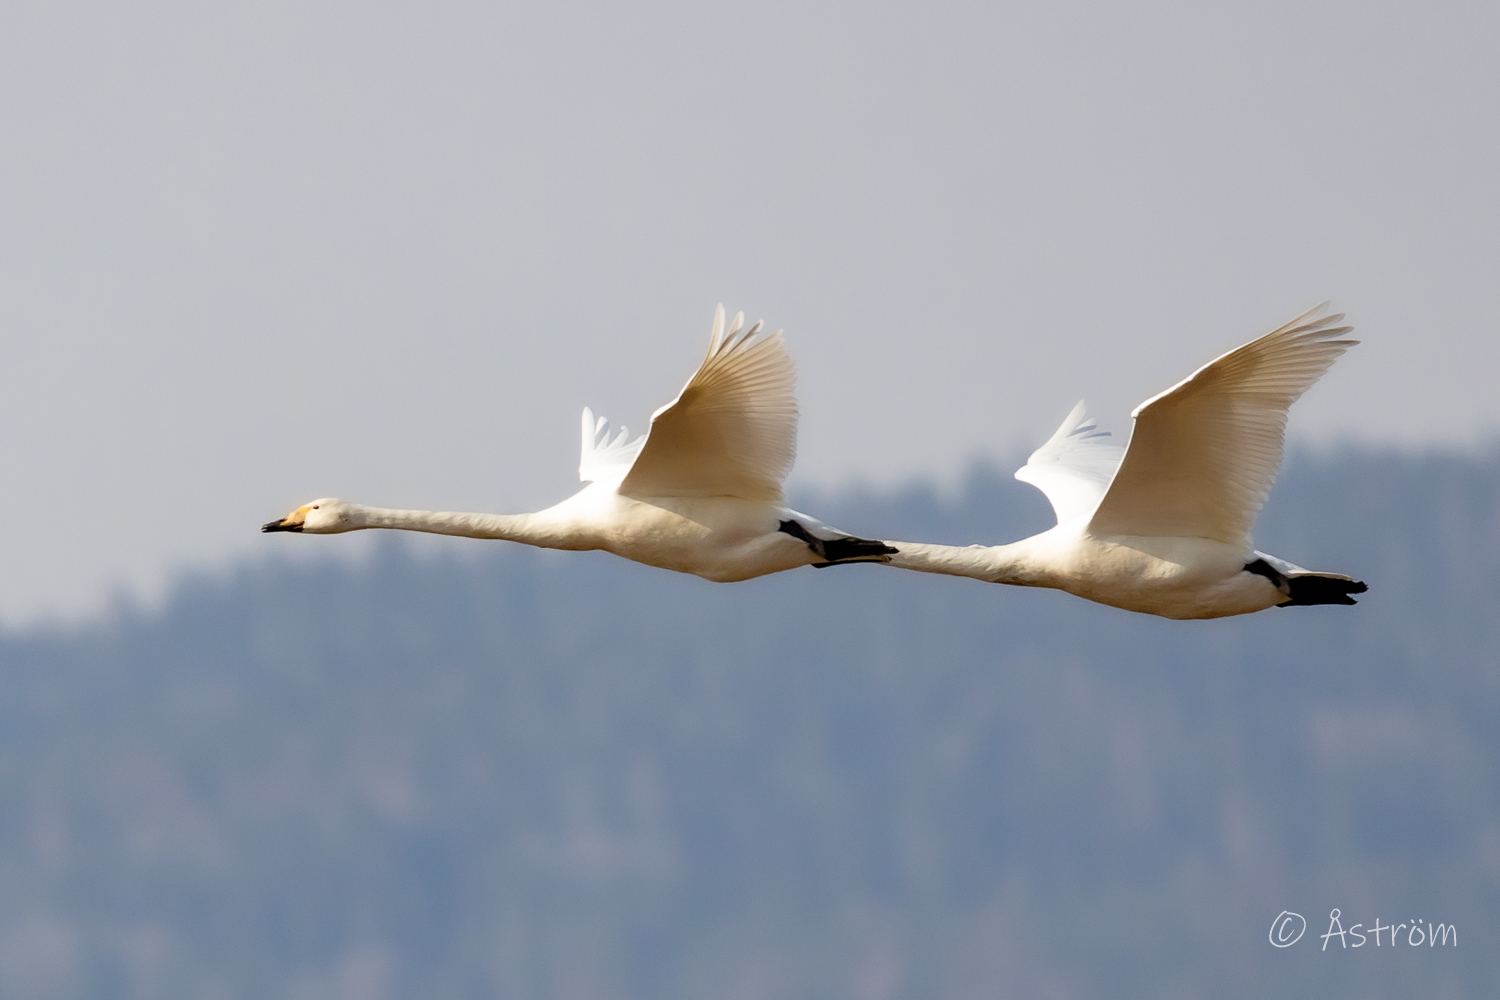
(1171, 577)
(1163, 527)
(700, 493)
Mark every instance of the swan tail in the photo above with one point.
(840, 550)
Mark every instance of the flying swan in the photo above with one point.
(1163, 526)
(699, 493)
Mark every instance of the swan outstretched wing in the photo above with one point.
(1204, 453)
(1074, 467)
(606, 454)
(732, 431)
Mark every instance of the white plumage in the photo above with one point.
(1205, 452)
(1163, 526)
(1074, 467)
(700, 492)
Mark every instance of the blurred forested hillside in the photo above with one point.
(507, 773)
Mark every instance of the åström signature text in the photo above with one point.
(1288, 927)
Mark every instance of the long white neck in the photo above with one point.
(1014, 564)
(530, 529)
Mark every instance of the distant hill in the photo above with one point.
(507, 773)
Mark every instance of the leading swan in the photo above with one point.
(1163, 527)
(699, 493)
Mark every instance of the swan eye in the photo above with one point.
(314, 506)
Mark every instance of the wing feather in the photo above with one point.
(606, 455)
(732, 431)
(1204, 453)
(1074, 467)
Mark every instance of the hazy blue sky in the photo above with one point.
(256, 254)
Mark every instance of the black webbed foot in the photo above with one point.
(839, 551)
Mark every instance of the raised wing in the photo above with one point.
(606, 456)
(732, 431)
(1204, 453)
(1074, 467)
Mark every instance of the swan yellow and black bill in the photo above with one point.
(292, 522)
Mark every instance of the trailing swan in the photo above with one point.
(1163, 527)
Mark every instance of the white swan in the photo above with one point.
(698, 493)
(1163, 527)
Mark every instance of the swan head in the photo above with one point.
(327, 516)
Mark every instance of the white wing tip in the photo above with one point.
(590, 435)
(716, 335)
(1319, 322)
(732, 335)
(604, 449)
(1077, 428)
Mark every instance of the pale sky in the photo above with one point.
(254, 254)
